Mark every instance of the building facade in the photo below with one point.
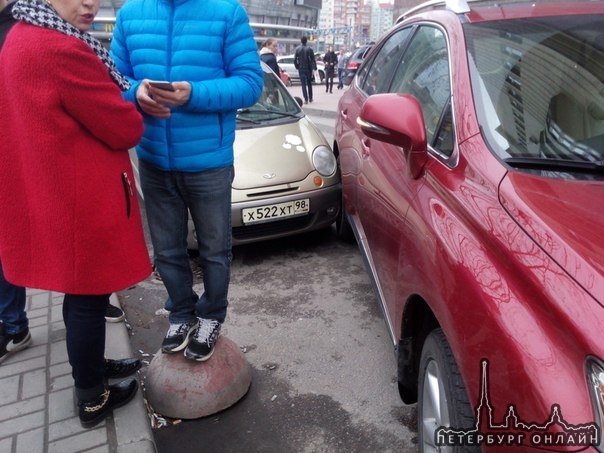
(285, 20)
(381, 19)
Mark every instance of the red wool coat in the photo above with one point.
(69, 216)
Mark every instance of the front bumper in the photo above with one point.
(325, 205)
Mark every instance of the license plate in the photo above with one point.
(275, 211)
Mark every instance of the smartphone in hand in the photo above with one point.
(161, 85)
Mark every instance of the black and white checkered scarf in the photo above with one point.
(42, 14)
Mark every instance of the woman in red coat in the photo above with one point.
(70, 220)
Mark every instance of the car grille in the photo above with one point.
(271, 228)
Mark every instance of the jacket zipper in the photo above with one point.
(169, 77)
(128, 191)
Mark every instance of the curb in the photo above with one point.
(133, 433)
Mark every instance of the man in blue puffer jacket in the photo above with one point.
(206, 49)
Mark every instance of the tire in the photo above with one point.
(443, 404)
(343, 228)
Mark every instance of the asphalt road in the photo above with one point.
(324, 377)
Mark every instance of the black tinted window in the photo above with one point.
(376, 75)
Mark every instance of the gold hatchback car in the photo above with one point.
(286, 176)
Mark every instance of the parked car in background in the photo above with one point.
(471, 148)
(287, 63)
(286, 179)
(353, 62)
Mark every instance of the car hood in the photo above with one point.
(274, 155)
(565, 218)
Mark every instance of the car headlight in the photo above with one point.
(324, 161)
(594, 369)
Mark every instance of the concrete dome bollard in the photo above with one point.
(180, 388)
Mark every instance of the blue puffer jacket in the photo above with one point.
(208, 43)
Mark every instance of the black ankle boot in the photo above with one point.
(94, 411)
(121, 368)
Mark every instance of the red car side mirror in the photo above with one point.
(397, 119)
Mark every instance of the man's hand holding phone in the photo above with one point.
(155, 97)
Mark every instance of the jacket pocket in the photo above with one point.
(128, 192)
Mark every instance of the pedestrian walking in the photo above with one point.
(304, 62)
(330, 59)
(186, 154)
(71, 222)
(341, 68)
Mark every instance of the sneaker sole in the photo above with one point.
(120, 319)
(183, 345)
(198, 358)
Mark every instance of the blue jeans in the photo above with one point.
(306, 81)
(341, 77)
(169, 197)
(12, 306)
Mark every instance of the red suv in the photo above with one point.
(471, 148)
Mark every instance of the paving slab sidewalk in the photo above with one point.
(37, 409)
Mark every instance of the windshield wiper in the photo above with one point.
(247, 120)
(564, 165)
(276, 112)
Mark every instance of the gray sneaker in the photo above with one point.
(204, 339)
(177, 337)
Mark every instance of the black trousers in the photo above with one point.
(84, 318)
(329, 82)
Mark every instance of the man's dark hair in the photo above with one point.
(303, 39)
